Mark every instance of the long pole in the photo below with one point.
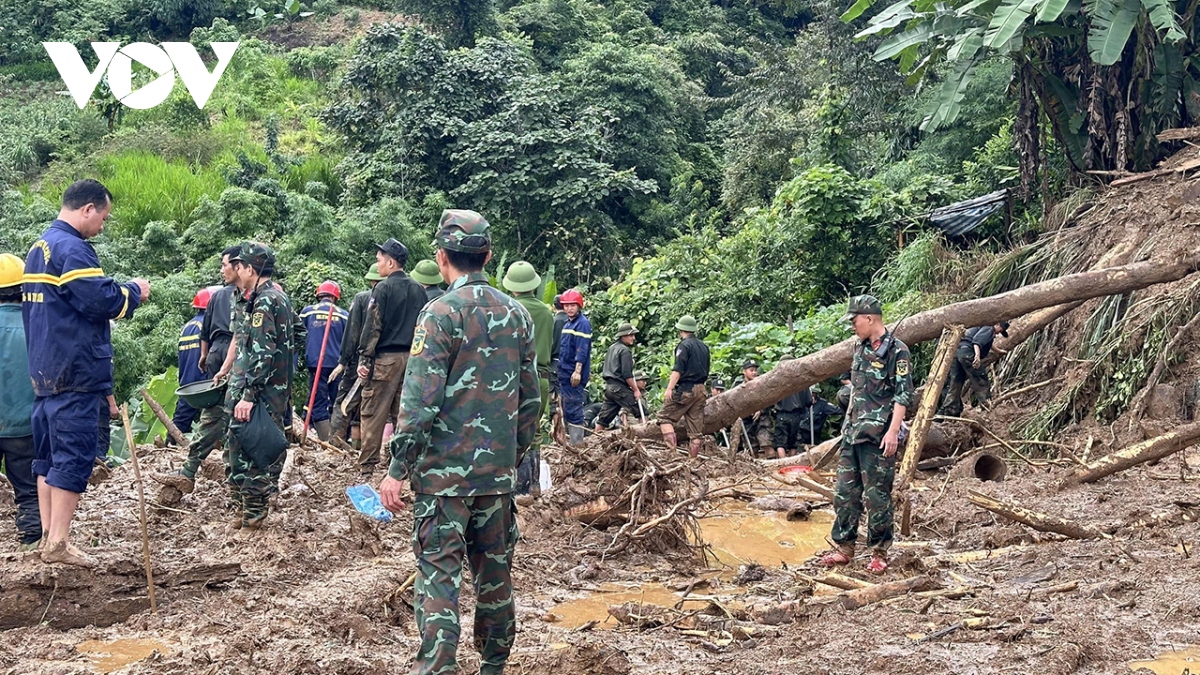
(318, 381)
(137, 475)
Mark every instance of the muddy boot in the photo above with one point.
(178, 481)
(66, 554)
(524, 500)
(33, 545)
(100, 473)
(324, 429)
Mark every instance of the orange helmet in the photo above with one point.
(572, 297)
(329, 288)
(201, 299)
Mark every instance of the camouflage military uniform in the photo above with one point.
(468, 413)
(265, 346)
(864, 475)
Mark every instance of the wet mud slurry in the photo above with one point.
(741, 536)
(106, 657)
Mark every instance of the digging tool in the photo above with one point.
(312, 395)
(642, 410)
(749, 445)
(348, 402)
(137, 475)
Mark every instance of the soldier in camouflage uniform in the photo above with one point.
(468, 414)
(882, 392)
(264, 336)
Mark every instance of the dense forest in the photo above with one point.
(751, 163)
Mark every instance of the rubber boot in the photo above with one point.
(324, 429)
(576, 435)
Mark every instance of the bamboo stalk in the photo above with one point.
(137, 475)
(1024, 390)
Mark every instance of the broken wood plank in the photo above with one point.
(1038, 521)
(943, 360)
(862, 597)
(1158, 447)
(1184, 134)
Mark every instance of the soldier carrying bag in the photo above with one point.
(261, 439)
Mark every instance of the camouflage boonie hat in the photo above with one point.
(626, 329)
(862, 304)
(639, 375)
(257, 255)
(464, 231)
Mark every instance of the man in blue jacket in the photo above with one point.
(189, 359)
(16, 404)
(67, 304)
(574, 363)
(315, 318)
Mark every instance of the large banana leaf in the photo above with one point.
(966, 46)
(888, 19)
(1112, 22)
(1063, 110)
(1162, 15)
(949, 100)
(856, 10)
(895, 44)
(1008, 19)
(1051, 10)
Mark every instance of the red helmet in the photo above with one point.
(329, 288)
(201, 299)
(572, 297)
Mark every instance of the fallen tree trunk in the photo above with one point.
(1146, 451)
(792, 376)
(1038, 521)
(175, 433)
(73, 597)
(943, 359)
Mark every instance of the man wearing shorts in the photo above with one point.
(685, 395)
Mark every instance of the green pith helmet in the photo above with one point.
(426, 272)
(862, 304)
(464, 231)
(373, 273)
(626, 329)
(687, 324)
(521, 278)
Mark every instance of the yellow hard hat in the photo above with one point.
(12, 269)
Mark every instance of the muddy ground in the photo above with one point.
(317, 590)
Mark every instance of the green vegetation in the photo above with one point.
(749, 163)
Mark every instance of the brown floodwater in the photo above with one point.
(1183, 661)
(739, 536)
(594, 607)
(105, 657)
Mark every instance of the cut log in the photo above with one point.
(820, 451)
(846, 583)
(176, 434)
(597, 513)
(865, 596)
(1038, 521)
(72, 597)
(943, 359)
(1148, 450)
(810, 484)
(792, 376)
(982, 466)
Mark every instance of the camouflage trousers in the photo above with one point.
(214, 422)
(528, 470)
(251, 486)
(864, 480)
(445, 531)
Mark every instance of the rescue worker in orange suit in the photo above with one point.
(189, 360)
(67, 305)
(315, 318)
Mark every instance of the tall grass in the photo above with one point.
(147, 188)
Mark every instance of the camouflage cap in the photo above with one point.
(639, 375)
(464, 231)
(255, 254)
(862, 304)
